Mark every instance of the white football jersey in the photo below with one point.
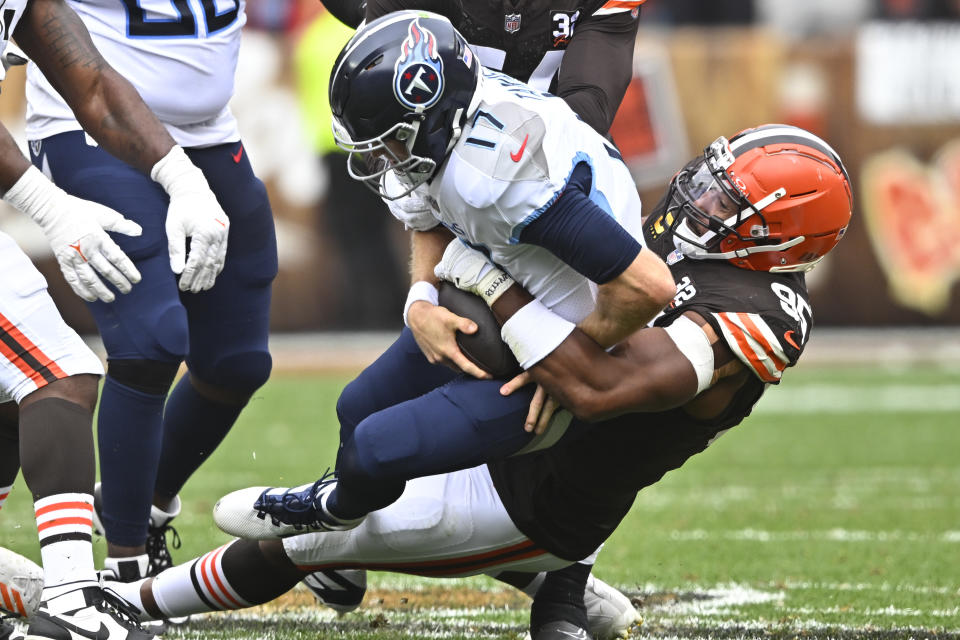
(10, 13)
(180, 55)
(510, 164)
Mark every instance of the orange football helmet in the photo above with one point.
(791, 198)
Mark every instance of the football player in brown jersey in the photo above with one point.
(740, 226)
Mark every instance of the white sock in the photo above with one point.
(4, 492)
(129, 591)
(65, 529)
(196, 587)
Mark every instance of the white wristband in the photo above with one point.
(175, 172)
(420, 290)
(494, 284)
(35, 195)
(533, 332)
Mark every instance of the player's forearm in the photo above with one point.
(12, 162)
(594, 384)
(426, 250)
(630, 301)
(106, 104)
(117, 118)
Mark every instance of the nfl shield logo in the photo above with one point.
(511, 22)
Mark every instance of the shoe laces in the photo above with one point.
(109, 602)
(297, 508)
(157, 551)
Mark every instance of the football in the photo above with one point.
(484, 348)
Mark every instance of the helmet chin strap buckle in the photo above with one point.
(765, 202)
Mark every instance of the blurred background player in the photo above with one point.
(48, 371)
(181, 57)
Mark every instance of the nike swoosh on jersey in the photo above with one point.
(236, 156)
(788, 336)
(515, 156)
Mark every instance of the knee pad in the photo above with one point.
(243, 372)
(144, 328)
(353, 405)
(380, 454)
(147, 376)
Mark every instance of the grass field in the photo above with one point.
(833, 512)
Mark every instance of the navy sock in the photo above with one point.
(193, 427)
(128, 439)
(357, 493)
(560, 597)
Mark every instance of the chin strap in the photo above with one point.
(743, 253)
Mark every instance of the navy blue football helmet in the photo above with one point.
(400, 92)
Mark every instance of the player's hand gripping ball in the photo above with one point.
(484, 348)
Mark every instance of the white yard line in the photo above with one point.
(822, 398)
(829, 535)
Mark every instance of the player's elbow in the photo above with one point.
(659, 283)
(649, 282)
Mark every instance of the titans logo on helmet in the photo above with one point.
(418, 74)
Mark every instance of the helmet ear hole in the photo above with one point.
(373, 63)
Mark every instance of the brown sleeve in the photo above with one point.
(597, 68)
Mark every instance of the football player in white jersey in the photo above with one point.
(48, 377)
(740, 226)
(511, 170)
(181, 57)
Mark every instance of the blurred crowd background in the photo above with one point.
(879, 79)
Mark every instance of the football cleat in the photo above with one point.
(269, 513)
(134, 569)
(609, 612)
(85, 613)
(21, 584)
(157, 531)
(561, 630)
(340, 589)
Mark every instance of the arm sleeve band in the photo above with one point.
(582, 234)
(695, 346)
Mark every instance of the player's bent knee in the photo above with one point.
(147, 376)
(354, 404)
(156, 332)
(239, 373)
(380, 455)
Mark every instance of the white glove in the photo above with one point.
(76, 230)
(195, 213)
(412, 210)
(471, 271)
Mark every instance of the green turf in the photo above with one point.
(807, 520)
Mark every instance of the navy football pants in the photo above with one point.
(405, 418)
(221, 333)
